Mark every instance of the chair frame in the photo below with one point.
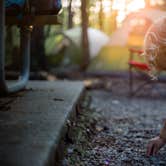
(144, 70)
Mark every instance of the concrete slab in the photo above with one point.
(32, 123)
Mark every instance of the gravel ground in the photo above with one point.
(114, 128)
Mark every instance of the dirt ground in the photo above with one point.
(113, 129)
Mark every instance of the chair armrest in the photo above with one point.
(139, 65)
(137, 51)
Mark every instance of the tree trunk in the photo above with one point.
(70, 15)
(101, 15)
(147, 3)
(85, 42)
(37, 49)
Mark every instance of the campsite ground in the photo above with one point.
(113, 128)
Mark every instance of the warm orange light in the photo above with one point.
(135, 5)
(157, 2)
(129, 6)
(106, 6)
(125, 7)
(119, 4)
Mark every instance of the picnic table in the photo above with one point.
(25, 14)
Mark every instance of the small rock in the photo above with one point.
(70, 150)
(115, 102)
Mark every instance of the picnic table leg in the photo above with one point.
(25, 67)
(25, 51)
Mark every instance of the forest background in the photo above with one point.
(52, 48)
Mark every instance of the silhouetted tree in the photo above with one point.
(70, 15)
(101, 15)
(37, 49)
(85, 42)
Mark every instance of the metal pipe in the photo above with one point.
(25, 51)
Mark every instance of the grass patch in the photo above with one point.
(81, 135)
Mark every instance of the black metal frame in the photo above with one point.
(5, 88)
(147, 79)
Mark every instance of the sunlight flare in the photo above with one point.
(135, 5)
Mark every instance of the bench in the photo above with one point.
(34, 12)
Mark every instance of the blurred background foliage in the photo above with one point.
(51, 48)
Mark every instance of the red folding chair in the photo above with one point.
(140, 66)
